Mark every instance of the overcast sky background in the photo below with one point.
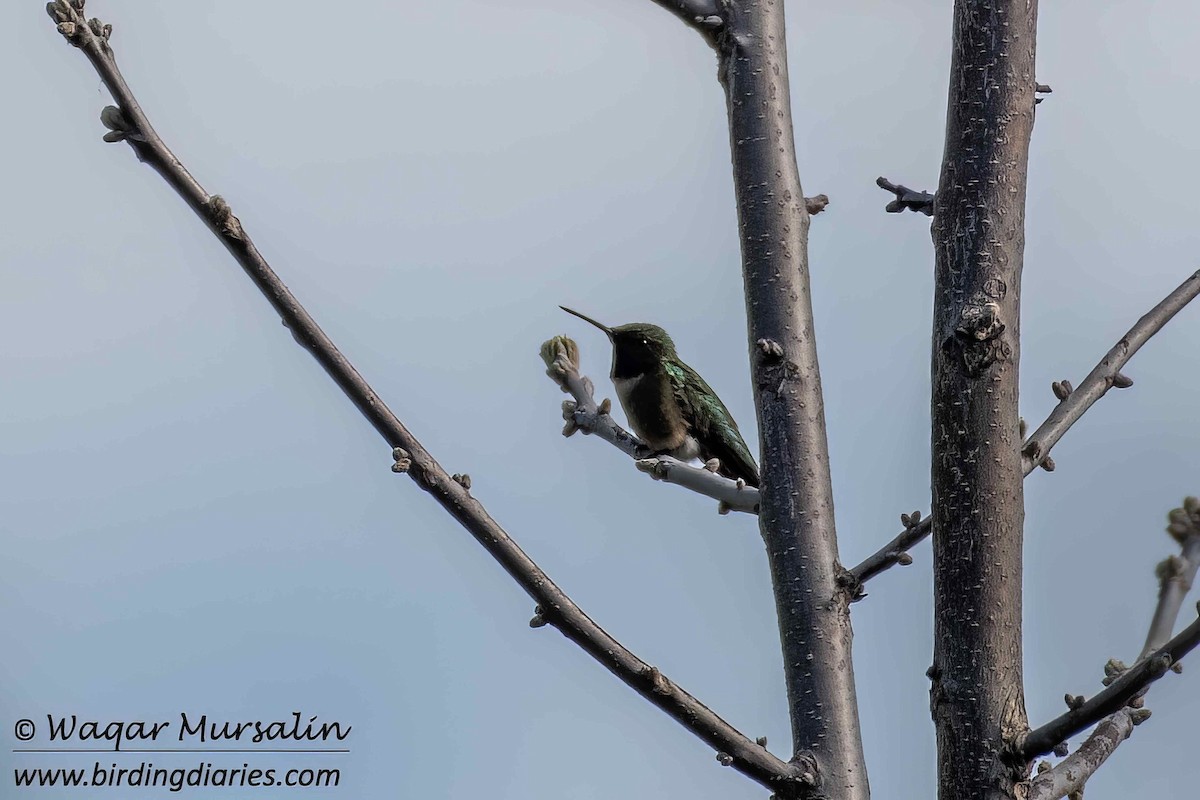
(196, 520)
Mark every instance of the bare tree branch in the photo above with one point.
(1070, 774)
(1159, 653)
(1106, 374)
(1078, 400)
(977, 695)
(906, 198)
(561, 355)
(129, 123)
(893, 553)
(797, 516)
(1175, 576)
(1128, 685)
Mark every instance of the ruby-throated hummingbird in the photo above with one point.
(668, 404)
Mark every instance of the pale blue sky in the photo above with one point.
(196, 520)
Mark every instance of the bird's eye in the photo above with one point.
(645, 341)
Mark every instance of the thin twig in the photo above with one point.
(1175, 576)
(129, 123)
(1079, 399)
(561, 355)
(893, 553)
(1128, 685)
(1070, 774)
(1106, 374)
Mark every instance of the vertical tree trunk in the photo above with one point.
(977, 694)
(796, 518)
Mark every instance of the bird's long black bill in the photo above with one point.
(607, 330)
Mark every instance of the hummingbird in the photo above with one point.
(668, 404)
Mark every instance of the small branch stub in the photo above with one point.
(402, 461)
(906, 198)
(658, 682)
(815, 205)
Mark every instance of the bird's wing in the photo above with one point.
(713, 425)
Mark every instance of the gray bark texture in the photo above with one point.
(977, 696)
(796, 515)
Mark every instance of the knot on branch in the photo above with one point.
(223, 219)
(851, 584)
(1184, 522)
(978, 333)
(656, 468)
(906, 198)
(658, 682)
(808, 769)
(771, 350)
(1062, 389)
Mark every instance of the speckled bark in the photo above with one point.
(796, 518)
(977, 695)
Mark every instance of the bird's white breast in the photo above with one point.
(625, 387)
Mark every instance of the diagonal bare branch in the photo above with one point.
(1070, 774)
(1106, 374)
(1127, 686)
(129, 123)
(1175, 576)
(1159, 654)
(1036, 449)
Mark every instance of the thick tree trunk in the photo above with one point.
(796, 516)
(977, 694)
